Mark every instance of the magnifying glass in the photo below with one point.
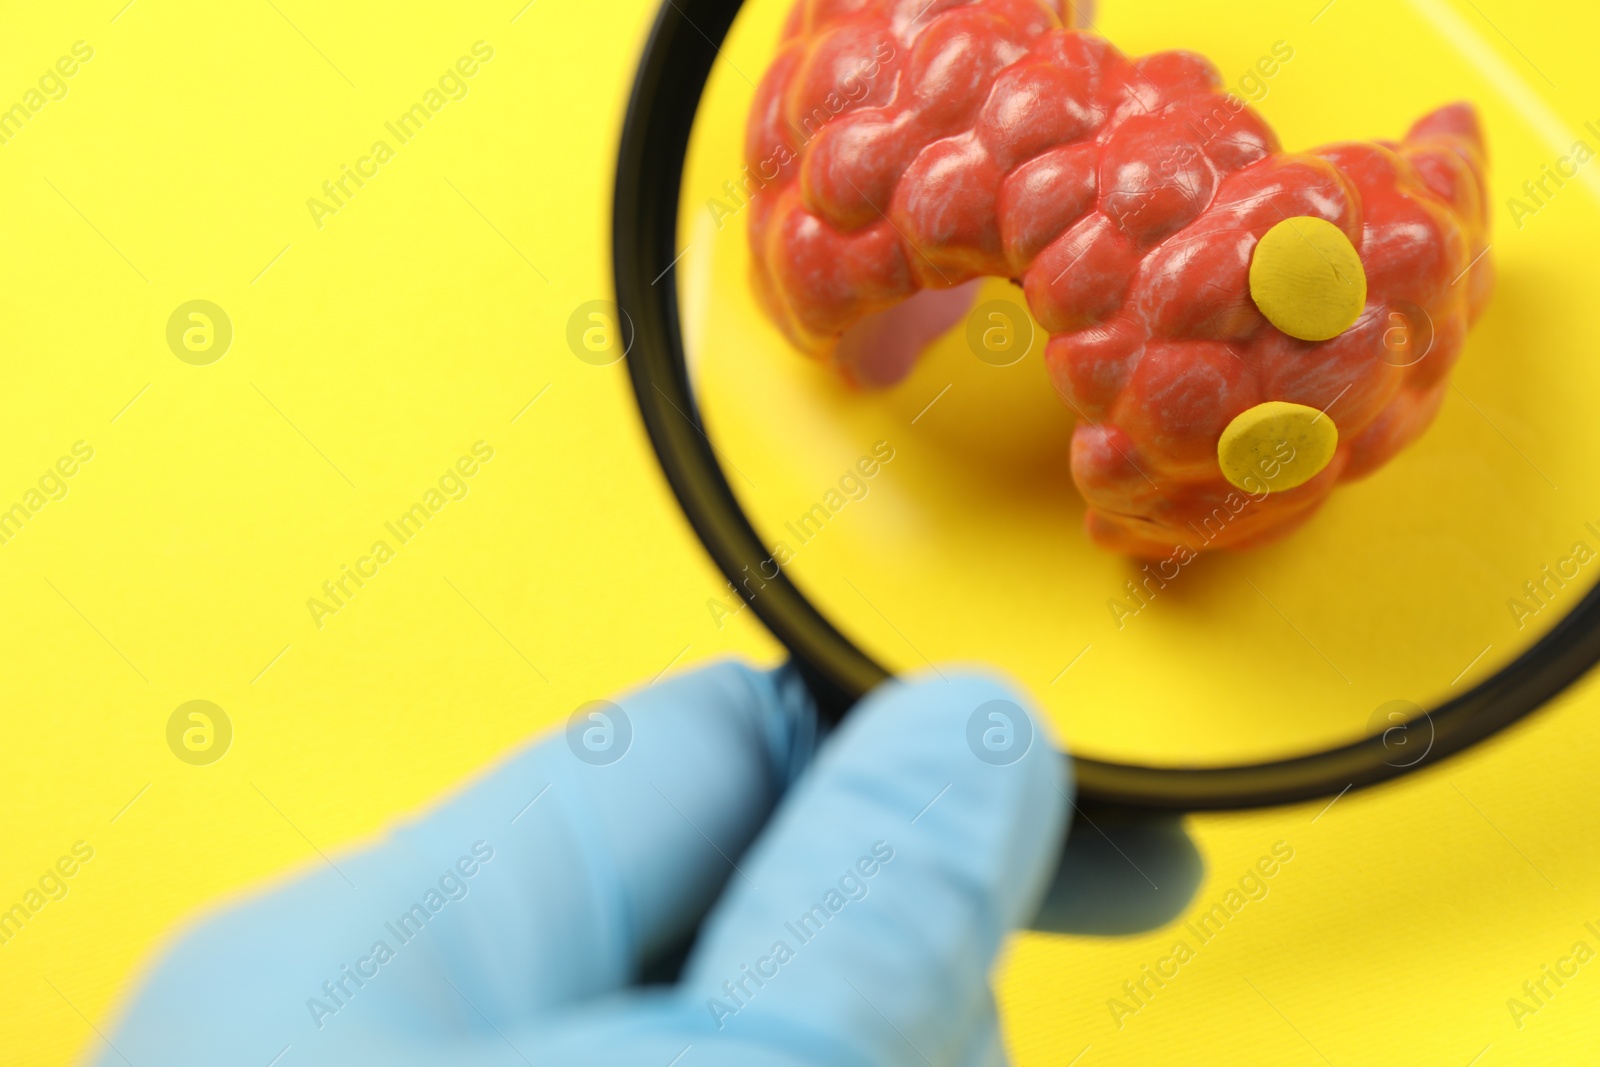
(917, 489)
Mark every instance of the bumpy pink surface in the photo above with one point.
(899, 145)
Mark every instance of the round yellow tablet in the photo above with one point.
(1276, 446)
(1307, 279)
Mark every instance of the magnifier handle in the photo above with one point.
(831, 701)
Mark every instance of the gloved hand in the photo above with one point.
(852, 903)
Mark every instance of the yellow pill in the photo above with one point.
(1276, 446)
(1307, 279)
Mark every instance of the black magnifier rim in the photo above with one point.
(677, 60)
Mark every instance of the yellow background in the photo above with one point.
(424, 316)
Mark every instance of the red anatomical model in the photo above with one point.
(903, 145)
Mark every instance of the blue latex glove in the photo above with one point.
(873, 887)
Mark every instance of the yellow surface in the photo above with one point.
(1276, 446)
(1307, 279)
(373, 353)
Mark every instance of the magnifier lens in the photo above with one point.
(927, 508)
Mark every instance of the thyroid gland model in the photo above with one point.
(1236, 328)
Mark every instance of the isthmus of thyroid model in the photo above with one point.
(1237, 328)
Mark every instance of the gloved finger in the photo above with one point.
(549, 880)
(982, 1031)
(664, 1029)
(867, 916)
(621, 1030)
